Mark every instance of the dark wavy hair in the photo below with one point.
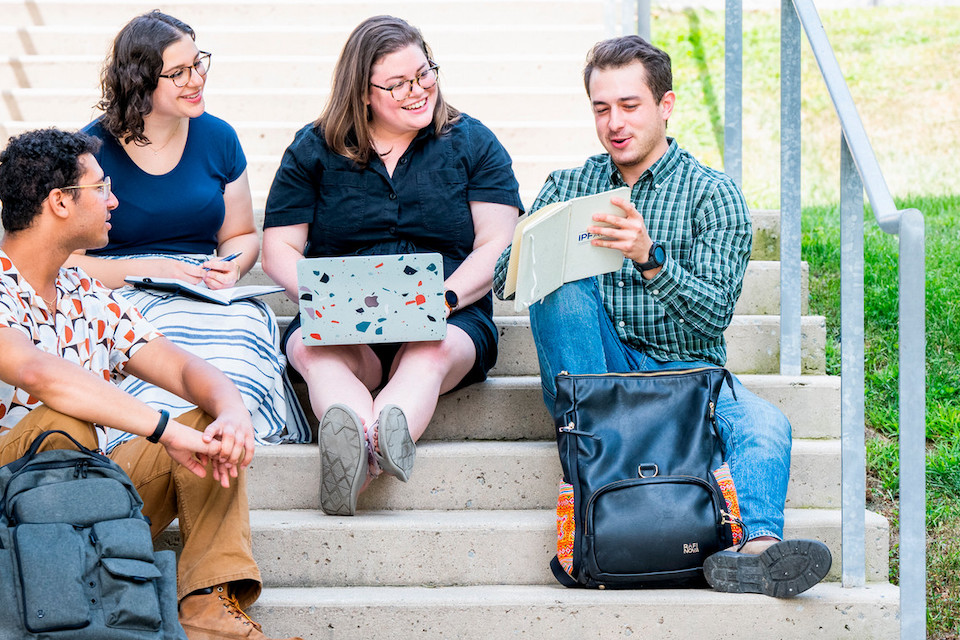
(132, 70)
(35, 163)
(345, 120)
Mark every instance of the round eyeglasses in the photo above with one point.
(401, 90)
(103, 188)
(181, 75)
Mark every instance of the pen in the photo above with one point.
(232, 256)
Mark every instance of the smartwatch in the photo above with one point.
(655, 258)
(451, 299)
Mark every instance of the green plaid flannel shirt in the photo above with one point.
(702, 219)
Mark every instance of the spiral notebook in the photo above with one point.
(371, 299)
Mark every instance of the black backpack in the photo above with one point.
(640, 502)
(76, 556)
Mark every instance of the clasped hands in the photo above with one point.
(227, 444)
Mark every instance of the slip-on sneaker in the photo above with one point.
(343, 460)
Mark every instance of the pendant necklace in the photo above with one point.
(169, 140)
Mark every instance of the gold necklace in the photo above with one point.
(169, 140)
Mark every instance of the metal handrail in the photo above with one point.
(859, 171)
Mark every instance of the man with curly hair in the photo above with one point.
(65, 339)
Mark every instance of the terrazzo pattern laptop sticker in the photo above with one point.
(371, 299)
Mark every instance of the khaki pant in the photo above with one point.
(214, 522)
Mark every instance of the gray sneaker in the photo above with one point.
(783, 570)
(343, 460)
(397, 451)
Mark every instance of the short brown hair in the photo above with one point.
(345, 120)
(619, 52)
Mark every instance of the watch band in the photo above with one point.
(161, 427)
(451, 299)
(655, 258)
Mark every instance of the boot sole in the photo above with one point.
(398, 452)
(343, 460)
(783, 570)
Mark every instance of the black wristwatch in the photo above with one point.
(451, 299)
(656, 257)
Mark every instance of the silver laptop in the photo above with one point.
(370, 299)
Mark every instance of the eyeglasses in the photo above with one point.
(103, 188)
(181, 76)
(426, 79)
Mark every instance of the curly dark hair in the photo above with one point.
(33, 164)
(132, 71)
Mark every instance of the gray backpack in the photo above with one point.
(76, 557)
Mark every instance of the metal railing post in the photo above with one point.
(789, 190)
(733, 92)
(644, 27)
(610, 19)
(913, 505)
(853, 451)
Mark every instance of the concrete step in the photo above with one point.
(306, 548)
(489, 102)
(271, 138)
(492, 475)
(551, 612)
(511, 408)
(295, 70)
(753, 345)
(530, 170)
(324, 38)
(113, 14)
(760, 295)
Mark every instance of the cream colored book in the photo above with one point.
(552, 246)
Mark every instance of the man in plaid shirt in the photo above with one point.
(686, 240)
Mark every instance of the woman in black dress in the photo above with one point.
(390, 167)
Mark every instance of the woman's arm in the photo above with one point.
(493, 230)
(282, 248)
(237, 234)
(112, 272)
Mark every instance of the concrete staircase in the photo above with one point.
(461, 551)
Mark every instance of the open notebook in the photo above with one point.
(370, 299)
(201, 291)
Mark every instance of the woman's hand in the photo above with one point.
(221, 274)
(170, 268)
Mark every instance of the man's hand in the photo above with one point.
(233, 432)
(627, 235)
(188, 448)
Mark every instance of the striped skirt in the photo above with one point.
(243, 341)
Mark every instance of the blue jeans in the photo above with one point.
(573, 333)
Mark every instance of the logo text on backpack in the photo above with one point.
(693, 547)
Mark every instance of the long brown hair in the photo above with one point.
(132, 71)
(345, 120)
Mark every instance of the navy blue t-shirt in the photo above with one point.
(177, 212)
(423, 207)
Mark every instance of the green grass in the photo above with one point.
(881, 341)
(899, 64)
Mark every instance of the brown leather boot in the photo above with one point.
(217, 616)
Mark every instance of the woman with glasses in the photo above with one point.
(185, 210)
(390, 168)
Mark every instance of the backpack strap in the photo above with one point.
(20, 462)
(561, 574)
